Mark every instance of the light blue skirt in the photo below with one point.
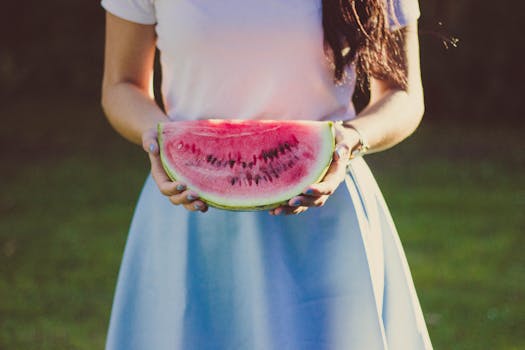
(334, 277)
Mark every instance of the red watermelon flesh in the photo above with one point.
(246, 165)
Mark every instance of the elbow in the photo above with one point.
(419, 112)
(104, 98)
(107, 103)
(416, 106)
(416, 101)
(416, 117)
(108, 96)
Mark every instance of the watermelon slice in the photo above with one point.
(248, 164)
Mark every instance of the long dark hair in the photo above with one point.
(358, 32)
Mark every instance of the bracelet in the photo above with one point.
(363, 146)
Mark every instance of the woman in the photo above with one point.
(333, 277)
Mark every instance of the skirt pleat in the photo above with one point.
(334, 277)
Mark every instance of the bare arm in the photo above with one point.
(391, 116)
(127, 98)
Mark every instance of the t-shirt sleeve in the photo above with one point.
(139, 11)
(402, 12)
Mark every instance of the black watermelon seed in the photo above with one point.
(267, 175)
(274, 172)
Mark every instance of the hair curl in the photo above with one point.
(358, 32)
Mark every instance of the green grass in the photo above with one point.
(69, 185)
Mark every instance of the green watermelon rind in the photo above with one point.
(269, 206)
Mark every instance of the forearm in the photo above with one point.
(130, 110)
(389, 120)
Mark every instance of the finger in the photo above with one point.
(200, 206)
(156, 168)
(275, 211)
(301, 200)
(293, 210)
(287, 210)
(171, 188)
(342, 152)
(166, 186)
(185, 197)
(308, 201)
(329, 184)
(278, 210)
(334, 176)
(311, 192)
(196, 205)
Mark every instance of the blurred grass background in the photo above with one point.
(69, 183)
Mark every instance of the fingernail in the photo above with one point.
(152, 147)
(309, 191)
(197, 206)
(191, 197)
(180, 187)
(342, 151)
(296, 203)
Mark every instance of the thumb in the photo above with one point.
(342, 151)
(149, 141)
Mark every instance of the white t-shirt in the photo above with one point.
(246, 59)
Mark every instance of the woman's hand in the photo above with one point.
(176, 191)
(317, 194)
